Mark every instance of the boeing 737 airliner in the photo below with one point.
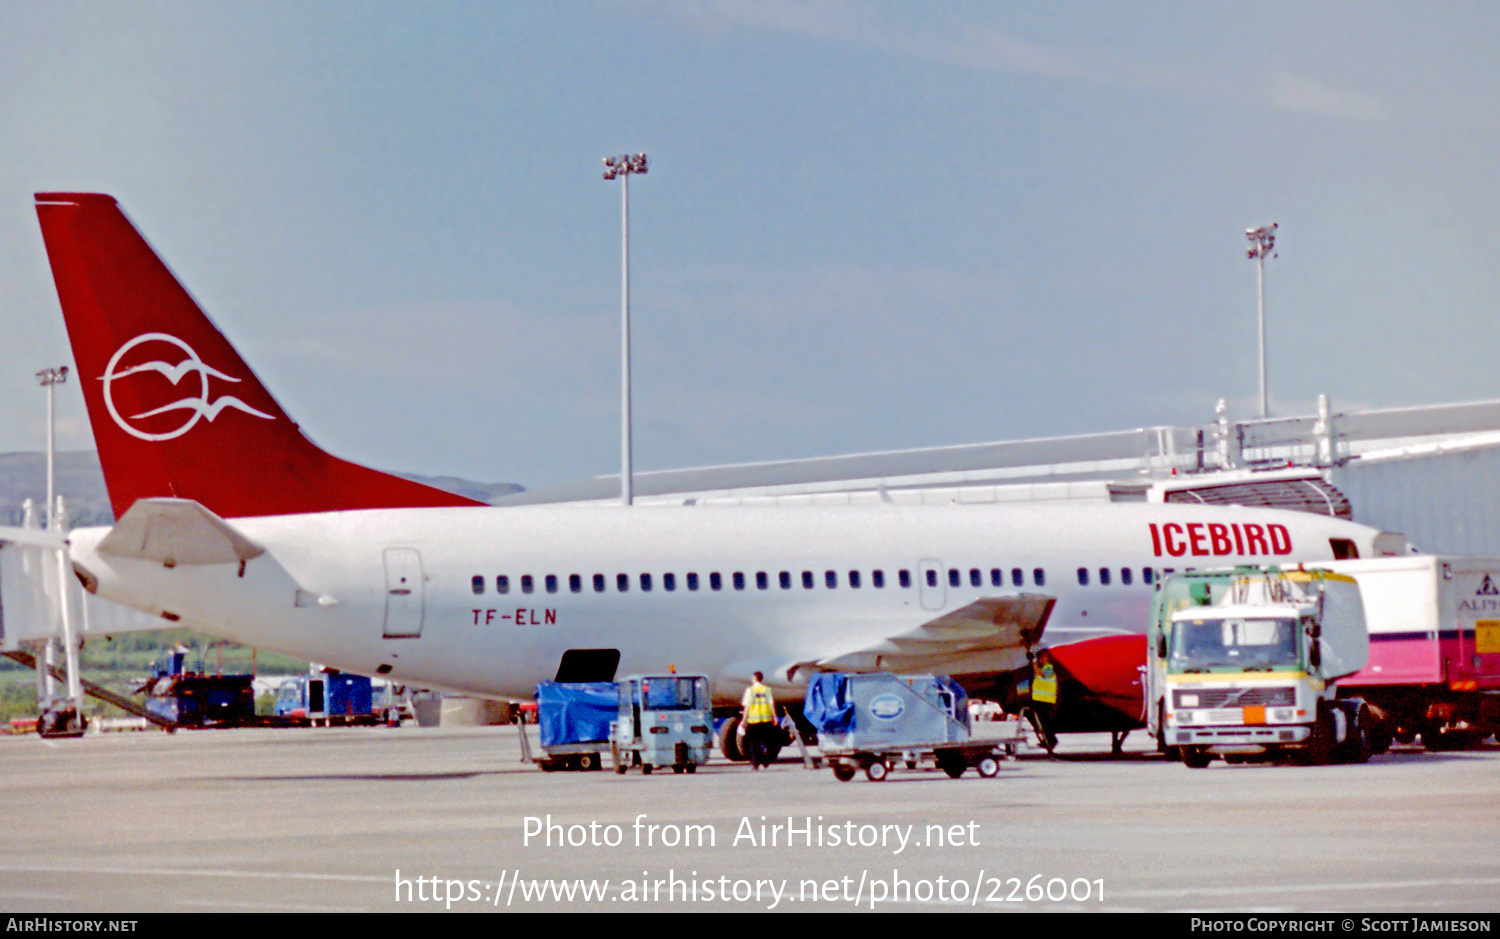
(235, 523)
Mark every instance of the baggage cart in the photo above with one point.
(876, 722)
(575, 720)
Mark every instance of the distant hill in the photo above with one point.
(81, 482)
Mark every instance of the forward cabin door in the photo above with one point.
(403, 593)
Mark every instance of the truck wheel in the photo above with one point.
(987, 767)
(877, 771)
(645, 769)
(588, 762)
(843, 772)
(1195, 758)
(1320, 744)
(691, 767)
(1360, 743)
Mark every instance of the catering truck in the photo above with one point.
(1434, 666)
(1244, 664)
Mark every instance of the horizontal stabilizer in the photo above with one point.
(991, 632)
(176, 531)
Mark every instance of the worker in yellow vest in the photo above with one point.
(1044, 680)
(760, 723)
(1044, 698)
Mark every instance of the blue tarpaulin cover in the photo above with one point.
(828, 706)
(576, 712)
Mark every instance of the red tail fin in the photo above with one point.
(175, 410)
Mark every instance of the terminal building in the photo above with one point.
(1429, 473)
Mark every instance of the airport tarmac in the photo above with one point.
(423, 820)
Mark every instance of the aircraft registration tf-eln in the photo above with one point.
(233, 522)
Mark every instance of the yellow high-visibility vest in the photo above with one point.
(759, 711)
(1044, 684)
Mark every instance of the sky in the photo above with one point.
(866, 226)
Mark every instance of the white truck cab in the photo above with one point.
(1243, 665)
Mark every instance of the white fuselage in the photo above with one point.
(722, 591)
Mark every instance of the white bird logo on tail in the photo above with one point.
(199, 408)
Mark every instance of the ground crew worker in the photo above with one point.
(1044, 698)
(760, 723)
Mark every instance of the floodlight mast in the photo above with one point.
(48, 377)
(622, 167)
(1262, 242)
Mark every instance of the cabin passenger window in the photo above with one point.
(478, 583)
(1017, 577)
(1039, 577)
(575, 583)
(1146, 575)
(715, 582)
(1083, 577)
(692, 580)
(669, 582)
(904, 577)
(502, 584)
(526, 584)
(551, 582)
(877, 579)
(854, 579)
(997, 577)
(739, 580)
(645, 581)
(598, 583)
(831, 578)
(1104, 577)
(1125, 576)
(975, 578)
(622, 582)
(785, 579)
(931, 577)
(807, 580)
(953, 576)
(762, 580)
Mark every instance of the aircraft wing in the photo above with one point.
(988, 636)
